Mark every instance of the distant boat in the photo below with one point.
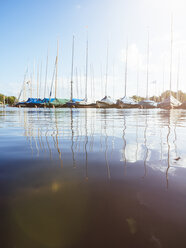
(73, 101)
(169, 103)
(86, 103)
(147, 104)
(107, 101)
(55, 102)
(182, 106)
(127, 102)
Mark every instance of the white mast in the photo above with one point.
(77, 82)
(106, 81)
(56, 71)
(37, 80)
(46, 75)
(178, 72)
(86, 73)
(171, 54)
(138, 69)
(33, 80)
(72, 69)
(40, 79)
(147, 88)
(126, 61)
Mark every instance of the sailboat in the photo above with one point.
(147, 103)
(170, 102)
(86, 103)
(127, 102)
(73, 101)
(56, 102)
(107, 101)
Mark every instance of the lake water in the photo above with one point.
(92, 178)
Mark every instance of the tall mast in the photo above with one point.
(72, 69)
(46, 75)
(138, 77)
(178, 72)
(77, 83)
(91, 81)
(126, 61)
(33, 80)
(101, 80)
(147, 88)
(24, 92)
(37, 80)
(56, 71)
(80, 84)
(40, 79)
(171, 55)
(113, 93)
(163, 75)
(86, 75)
(106, 72)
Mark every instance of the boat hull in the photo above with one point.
(105, 105)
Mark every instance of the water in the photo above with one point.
(92, 178)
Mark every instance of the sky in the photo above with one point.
(30, 28)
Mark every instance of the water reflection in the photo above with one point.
(92, 177)
(141, 137)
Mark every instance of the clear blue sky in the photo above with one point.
(29, 27)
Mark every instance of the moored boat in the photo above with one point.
(169, 103)
(182, 106)
(147, 104)
(127, 102)
(106, 102)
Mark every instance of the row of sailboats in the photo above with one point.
(107, 101)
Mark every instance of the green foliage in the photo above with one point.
(181, 96)
(1, 97)
(10, 100)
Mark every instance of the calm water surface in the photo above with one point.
(92, 178)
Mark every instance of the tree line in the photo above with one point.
(10, 100)
(181, 96)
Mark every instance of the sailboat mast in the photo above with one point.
(93, 85)
(147, 88)
(101, 80)
(106, 72)
(77, 82)
(72, 69)
(37, 80)
(126, 61)
(113, 85)
(86, 76)
(91, 81)
(171, 54)
(178, 73)
(33, 79)
(163, 76)
(40, 79)
(138, 78)
(46, 75)
(56, 70)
